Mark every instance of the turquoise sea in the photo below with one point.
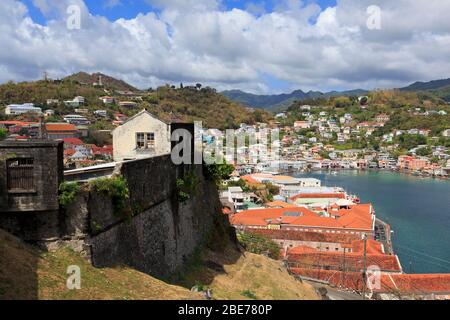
(418, 210)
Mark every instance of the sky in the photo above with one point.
(262, 47)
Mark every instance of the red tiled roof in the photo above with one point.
(69, 152)
(305, 236)
(351, 261)
(60, 127)
(372, 246)
(73, 141)
(108, 150)
(21, 137)
(356, 217)
(249, 179)
(390, 283)
(18, 123)
(279, 204)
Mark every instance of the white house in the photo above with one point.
(302, 125)
(236, 196)
(14, 109)
(107, 100)
(142, 136)
(446, 133)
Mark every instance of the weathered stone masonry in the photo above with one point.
(32, 214)
(157, 241)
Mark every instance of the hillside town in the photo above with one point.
(324, 234)
(321, 141)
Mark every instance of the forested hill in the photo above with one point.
(107, 81)
(192, 103)
(437, 88)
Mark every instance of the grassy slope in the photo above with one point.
(19, 279)
(230, 274)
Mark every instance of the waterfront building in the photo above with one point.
(293, 227)
(412, 163)
(290, 191)
(318, 200)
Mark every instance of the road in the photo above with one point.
(335, 294)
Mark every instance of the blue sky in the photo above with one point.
(308, 44)
(129, 9)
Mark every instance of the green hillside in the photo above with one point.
(167, 102)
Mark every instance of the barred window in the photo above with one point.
(20, 174)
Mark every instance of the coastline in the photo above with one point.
(395, 200)
(404, 172)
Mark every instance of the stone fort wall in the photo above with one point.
(160, 237)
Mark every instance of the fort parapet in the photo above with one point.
(159, 236)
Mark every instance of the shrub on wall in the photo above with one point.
(67, 193)
(187, 186)
(115, 188)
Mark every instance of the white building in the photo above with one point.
(76, 119)
(302, 125)
(101, 113)
(14, 109)
(142, 136)
(76, 102)
(236, 196)
(309, 182)
(49, 113)
(107, 100)
(52, 101)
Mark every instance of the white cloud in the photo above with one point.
(191, 41)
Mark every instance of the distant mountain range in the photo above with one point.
(425, 86)
(439, 88)
(282, 101)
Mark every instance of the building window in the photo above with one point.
(20, 175)
(145, 140)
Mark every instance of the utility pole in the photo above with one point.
(365, 266)
(344, 271)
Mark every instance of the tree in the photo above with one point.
(3, 133)
(258, 116)
(424, 151)
(409, 141)
(218, 172)
(342, 102)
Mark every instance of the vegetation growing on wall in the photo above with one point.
(258, 244)
(67, 193)
(187, 186)
(115, 188)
